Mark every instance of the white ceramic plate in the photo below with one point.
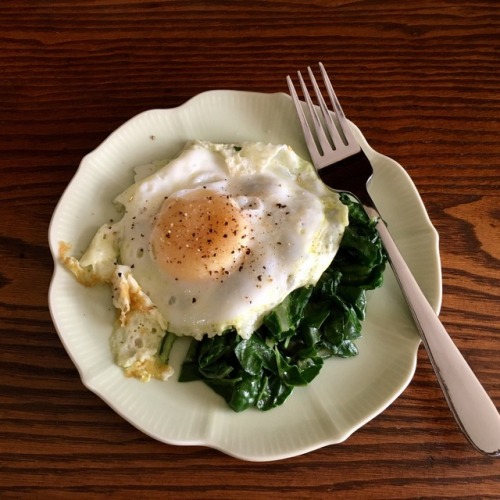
(346, 394)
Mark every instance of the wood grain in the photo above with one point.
(422, 82)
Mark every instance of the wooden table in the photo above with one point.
(420, 79)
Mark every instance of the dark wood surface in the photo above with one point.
(421, 80)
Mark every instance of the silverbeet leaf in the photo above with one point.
(310, 325)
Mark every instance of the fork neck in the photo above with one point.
(350, 174)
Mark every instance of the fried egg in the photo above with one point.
(216, 238)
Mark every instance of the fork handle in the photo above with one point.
(471, 406)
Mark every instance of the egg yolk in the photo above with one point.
(202, 235)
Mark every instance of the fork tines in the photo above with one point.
(329, 139)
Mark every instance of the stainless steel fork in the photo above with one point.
(343, 165)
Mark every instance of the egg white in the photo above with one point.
(293, 227)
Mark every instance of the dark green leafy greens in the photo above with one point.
(310, 325)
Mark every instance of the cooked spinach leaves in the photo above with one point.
(310, 325)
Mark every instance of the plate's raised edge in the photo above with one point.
(371, 153)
